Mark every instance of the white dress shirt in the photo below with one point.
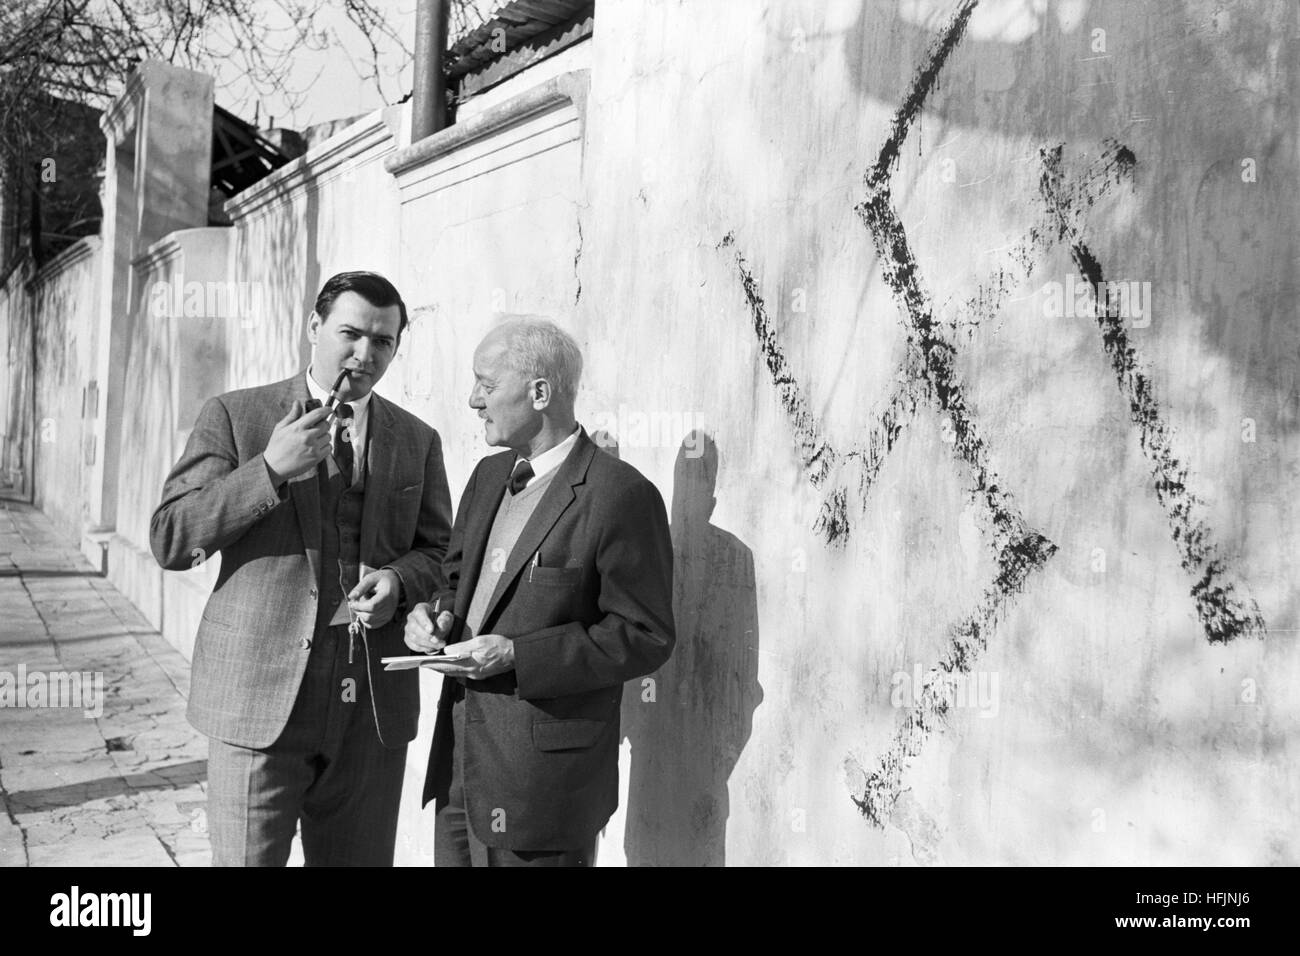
(360, 416)
(552, 458)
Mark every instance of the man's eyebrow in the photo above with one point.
(374, 335)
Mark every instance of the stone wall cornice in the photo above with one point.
(367, 136)
(173, 245)
(76, 253)
(555, 92)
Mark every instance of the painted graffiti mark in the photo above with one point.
(928, 376)
(852, 474)
(1111, 168)
(1223, 615)
(817, 456)
(1019, 550)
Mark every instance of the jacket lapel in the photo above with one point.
(381, 456)
(571, 473)
(482, 513)
(303, 489)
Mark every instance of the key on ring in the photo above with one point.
(354, 631)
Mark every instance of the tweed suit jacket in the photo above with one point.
(252, 644)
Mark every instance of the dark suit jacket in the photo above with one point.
(541, 742)
(249, 655)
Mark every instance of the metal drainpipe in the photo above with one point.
(429, 97)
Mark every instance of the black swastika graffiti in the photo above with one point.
(928, 378)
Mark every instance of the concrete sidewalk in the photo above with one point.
(124, 788)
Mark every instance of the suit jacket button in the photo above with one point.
(305, 643)
(313, 592)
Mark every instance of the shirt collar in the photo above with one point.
(552, 458)
(359, 405)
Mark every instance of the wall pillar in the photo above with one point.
(157, 180)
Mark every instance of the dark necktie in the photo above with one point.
(519, 477)
(343, 455)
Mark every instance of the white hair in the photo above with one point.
(538, 348)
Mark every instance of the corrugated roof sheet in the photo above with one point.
(520, 20)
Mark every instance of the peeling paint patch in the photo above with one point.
(923, 831)
(577, 257)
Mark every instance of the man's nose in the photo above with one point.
(362, 353)
(476, 398)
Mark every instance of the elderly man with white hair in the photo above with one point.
(559, 589)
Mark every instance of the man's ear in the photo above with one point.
(541, 394)
(313, 326)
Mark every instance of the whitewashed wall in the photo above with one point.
(63, 292)
(682, 193)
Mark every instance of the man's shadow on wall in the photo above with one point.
(689, 721)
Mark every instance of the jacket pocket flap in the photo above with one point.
(577, 734)
(215, 620)
(555, 577)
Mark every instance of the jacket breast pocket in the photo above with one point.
(577, 734)
(216, 620)
(554, 577)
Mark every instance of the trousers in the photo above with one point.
(327, 770)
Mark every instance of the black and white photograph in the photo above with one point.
(651, 433)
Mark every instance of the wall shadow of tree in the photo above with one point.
(1209, 94)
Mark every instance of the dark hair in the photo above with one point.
(371, 286)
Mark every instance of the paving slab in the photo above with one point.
(136, 848)
(124, 787)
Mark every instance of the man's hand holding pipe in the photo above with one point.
(300, 442)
